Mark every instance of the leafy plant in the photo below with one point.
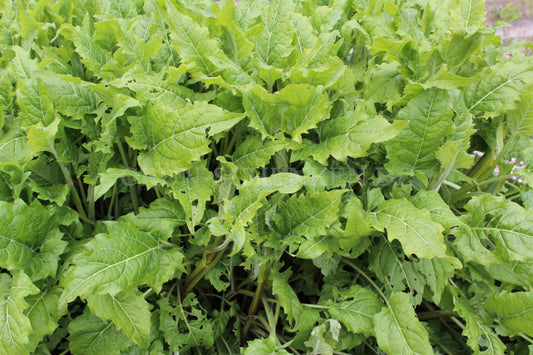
(273, 177)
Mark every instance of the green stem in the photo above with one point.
(112, 202)
(254, 306)
(209, 259)
(441, 313)
(133, 193)
(90, 196)
(68, 178)
(356, 268)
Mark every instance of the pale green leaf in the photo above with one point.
(263, 109)
(262, 347)
(254, 153)
(14, 147)
(40, 138)
(43, 315)
(440, 211)
(128, 310)
(287, 297)
(34, 102)
(397, 329)
(109, 177)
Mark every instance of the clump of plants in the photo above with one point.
(272, 177)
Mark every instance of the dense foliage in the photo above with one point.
(273, 177)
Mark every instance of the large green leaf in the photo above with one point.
(356, 308)
(467, 17)
(123, 258)
(515, 311)
(273, 44)
(91, 335)
(128, 311)
(308, 215)
(413, 228)
(173, 139)
(286, 295)
(497, 89)
(397, 329)
(15, 327)
(349, 136)
(429, 117)
(30, 238)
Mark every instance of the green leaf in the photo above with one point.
(287, 297)
(349, 136)
(263, 347)
(43, 315)
(91, 335)
(437, 273)
(193, 189)
(324, 337)
(520, 121)
(398, 330)
(440, 211)
(163, 215)
(128, 310)
(479, 334)
(497, 89)
(119, 260)
(35, 103)
(263, 109)
(233, 38)
(308, 215)
(173, 139)
(16, 326)
(30, 238)
(186, 325)
(385, 84)
(467, 17)
(308, 106)
(412, 227)
(40, 138)
(356, 309)
(14, 147)
(71, 98)
(273, 44)
(109, 177)
(254, 153)
(429, 118)
(495, 229)
(515, 311)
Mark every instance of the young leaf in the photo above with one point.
(286, 295)
(398, 330)
(273, 44)
(467, 17)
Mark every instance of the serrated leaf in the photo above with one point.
(263, 109)
(412, 227)
(440, 211)
(14, 147)
(173, 139)
(398, 330)
(163, 215)
(429, 118)
(255, 153)
(91, 335)
(479, 334)
(308, 215)
(118, 260)
(356, 309)
(35, 103)
(308, 105)
(15, 326)
(128, 311)
(71, 98)
(349, 136)
(262, 346)
(185, 325)
(436, 272)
